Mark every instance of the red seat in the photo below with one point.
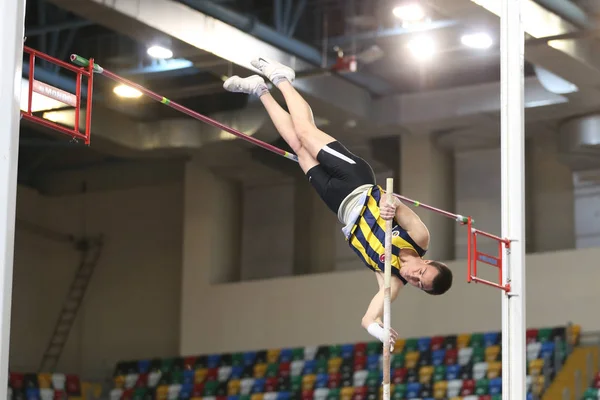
(189, 362)
(271, 384)
(531, 335)
(597, 381)
(60, 395)
(142, 381)
(221, 398)
(127, 394)
(307, 394)
(335, 380)
(437, 342)
(360, 363)
(212, 374)
(451, 357)
(360, 393)
(16, 380)
(468, 387)
(360, 349)
(399, 375)
(485, 397)
(284, 369)
(72, 385)
(198, 390)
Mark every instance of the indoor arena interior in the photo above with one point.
(300, 199)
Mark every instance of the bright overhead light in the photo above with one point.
(477, 40)
(160, 52)
(127, 92)
(423, 47)
(409, 12)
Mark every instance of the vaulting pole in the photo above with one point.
(387, 277)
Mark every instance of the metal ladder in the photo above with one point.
(90, 249)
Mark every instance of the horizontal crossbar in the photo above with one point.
(489, 283)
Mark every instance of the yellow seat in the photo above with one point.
(425, 374)
(200, 375)
(491, 353)
(119, 382)
(411, 359)
(537, 385)
(494, 369)
(233, 387)
(308, 382)
(399, 346)
(439, 390)
(346, 393)
(535, 366)
(273, 355)
(333, 365)
(162, 392)
(260, 370)
(463, 340)
(45, 381)
(196, 398)
(573, 334)
(257, 396)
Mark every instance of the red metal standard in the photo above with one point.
(80, 73)
(475, 256)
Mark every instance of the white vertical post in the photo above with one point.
(12, 26)
(387, 277)
(513, 199)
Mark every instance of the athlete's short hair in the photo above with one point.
(443, 280)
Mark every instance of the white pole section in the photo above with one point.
(513, 199)
(387, 277)
(12, 27)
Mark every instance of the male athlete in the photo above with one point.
(346, 183)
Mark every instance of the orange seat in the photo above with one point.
(494, 369)
(463, 340)
(439, 389)
(491, 353)
(260, 370)
(535, 366)
(273, 356)
(346, 393)
(399, 346)
(333, 365)
(162, 392)
(257, 396)
(200, 375)
(308, 381)
(425, 374)
(233, 387)
(411, 359)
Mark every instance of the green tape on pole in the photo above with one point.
(84, 62)
(165, 100)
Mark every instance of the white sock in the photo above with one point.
(261, 89)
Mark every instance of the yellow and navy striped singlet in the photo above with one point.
(367, 237)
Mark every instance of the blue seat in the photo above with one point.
(258, 386)
(213, 361)
(249, 358)
(529, 396)
(285, 355)
(188, 376)
(452, 372)
(321, 381)
(495, 386)
(347, 351)
(233, 397)
(309, 367)
(373, 362)
(490, 338)
(284, 396)
(423, 343)
(236, 372)
(437, 357)
(32, 394)
(413, 390)
(547, 350)
(143, 366)
(186, 390)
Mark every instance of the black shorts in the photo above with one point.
(339, 172)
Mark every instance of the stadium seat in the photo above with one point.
(423, 344)
(298, 354)
(437, 343)
(360, 350)
(438, 356)
(411, 345)
(452, 372)
(44, 381)
(308, 382)
(547, 349)
(397, 361)
(346, 393)
(334, 380)
(260, 370)
(468, 387)
(399, 346)
(451, 357)
(424, 358)
(373, 362)
(261, 357)
(413, 390)
(360, 362)
(347, 351)
(360, 378)
(399, 375)
(233, 387)
(322, 353)
(273, 356)
(399, 392)
(544, 334)
(296, 367)
(463, 340)
(450, 342)
(464, 355)
(334, 365)
(411, 359)
(491, 338)
(321, 380)
(495, 386)
(360, 393)
(454, 387)
(412, 375)
(296, 384)
(439, 373)
(492, 353)
(535, 366)
(271, 384)
(480, 370)
(16, 381)
(426, 374)
(374, 378)
(591, 394)
(439, 389)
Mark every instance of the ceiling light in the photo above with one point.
(409, 12)
(477, 40)
(127, 92)
(160, 52)
(423, 47)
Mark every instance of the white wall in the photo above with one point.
(131, 308)
(587, 209)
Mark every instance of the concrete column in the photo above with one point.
(550, 212)
(314, 229)
(427, 175)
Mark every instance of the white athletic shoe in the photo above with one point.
(251, 85)
(273, 70)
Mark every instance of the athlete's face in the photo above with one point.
(421, 275)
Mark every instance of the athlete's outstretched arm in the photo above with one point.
(372, 321)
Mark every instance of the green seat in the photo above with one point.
(237, 360)
(397, 361)
(334, 394)
(411, 345)
(544, 334)
(399, 391)
(321, 367)
(166, 365)
(244, 397)
(210, 388)
(477, 340)
(481, 387)
(590, 394)
(177, 377)
(373, 379)
(439, 373)
(335, 351)
(478, 355)
(272, 370)
(140, 393)
(298, 354)
(296, 384)
(497, 397)
(374, 348)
